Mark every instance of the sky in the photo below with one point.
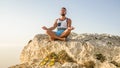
(21, 20)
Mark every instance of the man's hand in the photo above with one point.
(71, 28)
(44, 28)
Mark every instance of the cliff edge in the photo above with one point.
(80, 51)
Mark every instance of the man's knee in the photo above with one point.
(68, 30)
(47, 31)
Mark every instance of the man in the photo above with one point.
(63, 25)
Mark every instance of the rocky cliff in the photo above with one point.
(80, 51)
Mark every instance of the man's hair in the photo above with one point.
(63, 8)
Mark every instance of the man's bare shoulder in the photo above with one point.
(69, 19)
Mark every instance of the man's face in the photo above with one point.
(63, 12)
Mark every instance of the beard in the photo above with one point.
(62, 14)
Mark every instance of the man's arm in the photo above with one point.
(69, 22)
(54, 26)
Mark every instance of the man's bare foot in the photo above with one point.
(52, 39)
(64, 39)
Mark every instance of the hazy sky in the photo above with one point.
(20, 20)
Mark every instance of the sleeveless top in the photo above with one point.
(62, 25)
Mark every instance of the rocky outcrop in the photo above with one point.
(80, 51)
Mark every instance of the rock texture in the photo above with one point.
(80, 51)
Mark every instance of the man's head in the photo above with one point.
(63, 11)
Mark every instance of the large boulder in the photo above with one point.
(80, 51)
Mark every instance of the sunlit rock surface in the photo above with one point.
(80, 51)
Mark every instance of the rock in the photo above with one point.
(70, 65)
(80, 51)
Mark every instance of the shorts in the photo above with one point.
(59, 32)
